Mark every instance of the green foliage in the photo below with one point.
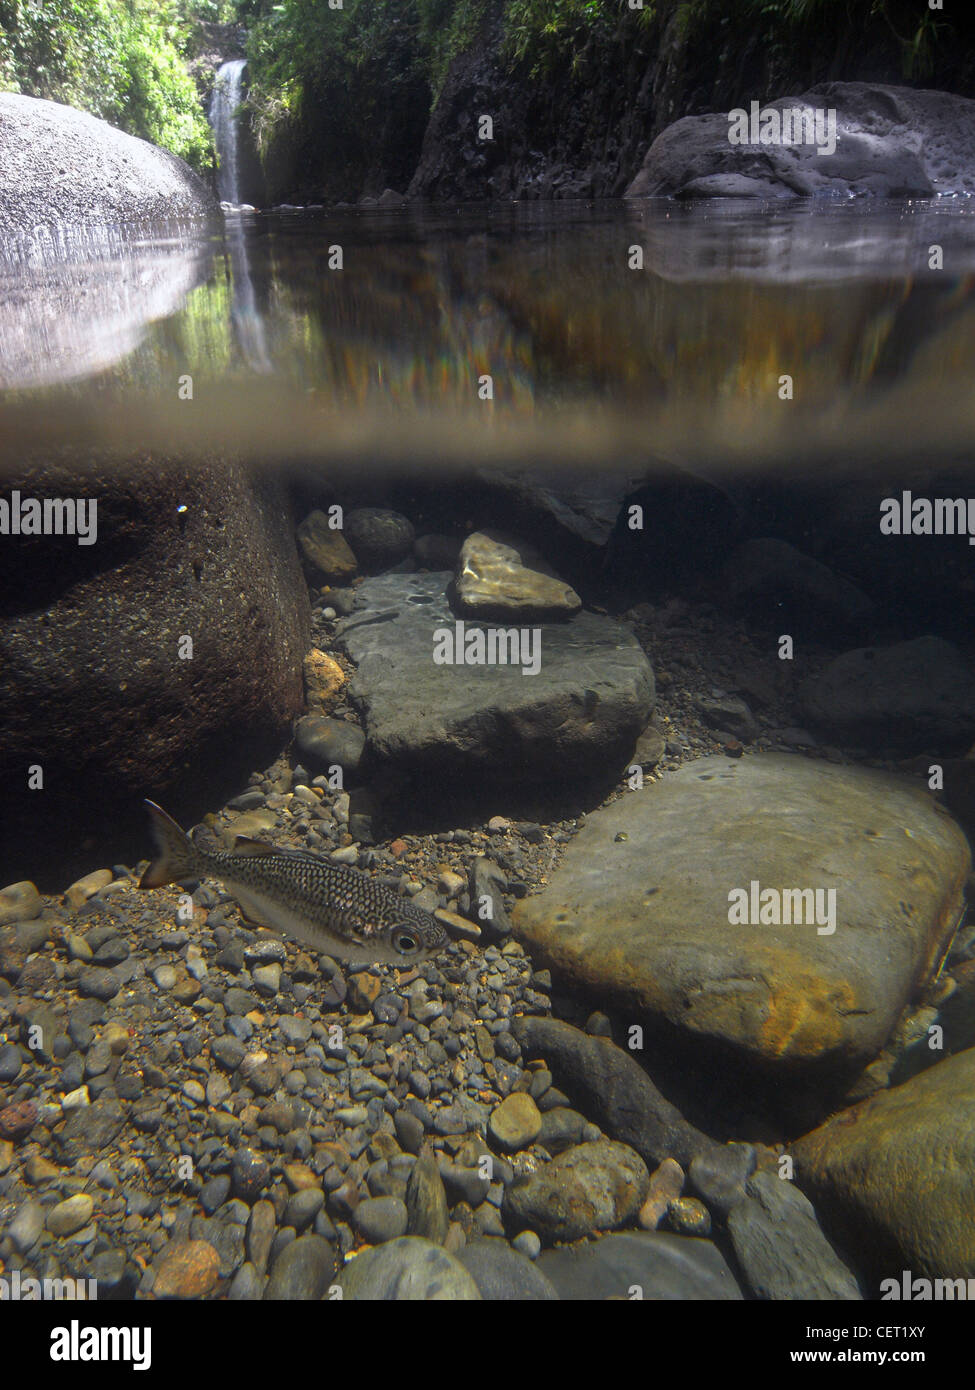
(122, 60)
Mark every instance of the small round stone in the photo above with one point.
(187, 1269)
(516, 1122)
(70, 1215)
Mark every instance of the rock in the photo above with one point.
(650, 748)
(26, 1227)
(771, 578)
(10, 1062)
(515, 1123)
(688, 1217)
(503, 1273)
(730, 715)
(500, 577)
(780, 1247)
(592, 694)
(246, 1285)
(380, 538)
(260, 1233)
(666, 1183)
(719, 1176)
(659, 945)
(303, 1270)
(93, 1127)
(97, 983)
(70, 1215)
(228, 1051)
(436, 552)
(664, 1267)
(892, 1175)
(407, 1269)
(409, 1131)
(426, 1201)
(107, 682)
(305, 1205)
(561, 1128)
(378, 1219)
(324, 678)
(19, 902)
(326, 549)
(63, 167)
(187, 1269)
(609, 1085)
(249, 1174)
(893, 142)
(593, 1187)
(267, 979)
(912, 697)
(79, 893)
(487, 886)
(326, 742)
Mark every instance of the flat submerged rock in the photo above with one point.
(592, 695)
(638, 912)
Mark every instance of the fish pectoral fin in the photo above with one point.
(244, 845)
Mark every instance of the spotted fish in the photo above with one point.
(330, 907)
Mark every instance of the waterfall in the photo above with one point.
(223, 119)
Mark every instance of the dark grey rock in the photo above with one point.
(302, 1271)
(303, 1206)
(380, 538)
(378, 1219)
(502, 1273)
(408, 1268)
(664, 1267)
(911, 696)
(613, 1089)
(10, 1062)
(591, 696)
(249, 1174)
(426, 1201)
(98, 983)
(589, 1188)
(325, 742)
(720, 1175)
(228, 1051)
(781, 1248)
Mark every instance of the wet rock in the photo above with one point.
(561, 1128)
(666, 1184)
(719, 1176)
(503, 1273)
(93, 1127)
(515, 1123)
(607, 1084)
(869, 1169)
(249, 1174)
(593, 1187)
(19, 902)
(70, 1215)
(326, 549)
(379, 537)
(187, 1269)
(890, 142)
(664, 1267)
(378, 1219)
(688, 1217)
(780, 1247)
(97, 983)
(302, 1271)
(84, 888)
(498, 576)
(488, 883)
(407, 1269)
(582, 710)
(426, 1201)
(772, 578)
(912, 696)
(661, 946)
(324, 678)
(325, 742)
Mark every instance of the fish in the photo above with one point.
(333, 908)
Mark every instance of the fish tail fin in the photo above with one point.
(176, 855)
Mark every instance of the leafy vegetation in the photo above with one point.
(122, 60)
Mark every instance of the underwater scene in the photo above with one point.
(487, 663)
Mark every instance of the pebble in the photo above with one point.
(515, 1123)
(84, 888)
(378, 1219)
(70, 1215)
(249, 1174)
(666, 1185)
(26, 1227)
(408, 1268)
(187, 1269)
(267, 979)
(528, 1244)
(302, 1270)
(261, 1226)
(689, 1217)
(426, 1201)
(10, 1062)
(98, 983)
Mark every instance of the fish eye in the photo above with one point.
(405, 940)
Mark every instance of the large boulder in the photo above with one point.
(61, 166)
(640, 914)
(100, 687)
(894, 1174)
(579, 713)
(890, 141)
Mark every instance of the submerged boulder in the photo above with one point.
(60, 166)
(661, 909)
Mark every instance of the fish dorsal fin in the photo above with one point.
(243, 845)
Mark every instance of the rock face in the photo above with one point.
(60, 166)
(501, 577)
(644, 922)
(95, 688)
(892, 142)
(580, 713)
(895, 1172)
(912, 696)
